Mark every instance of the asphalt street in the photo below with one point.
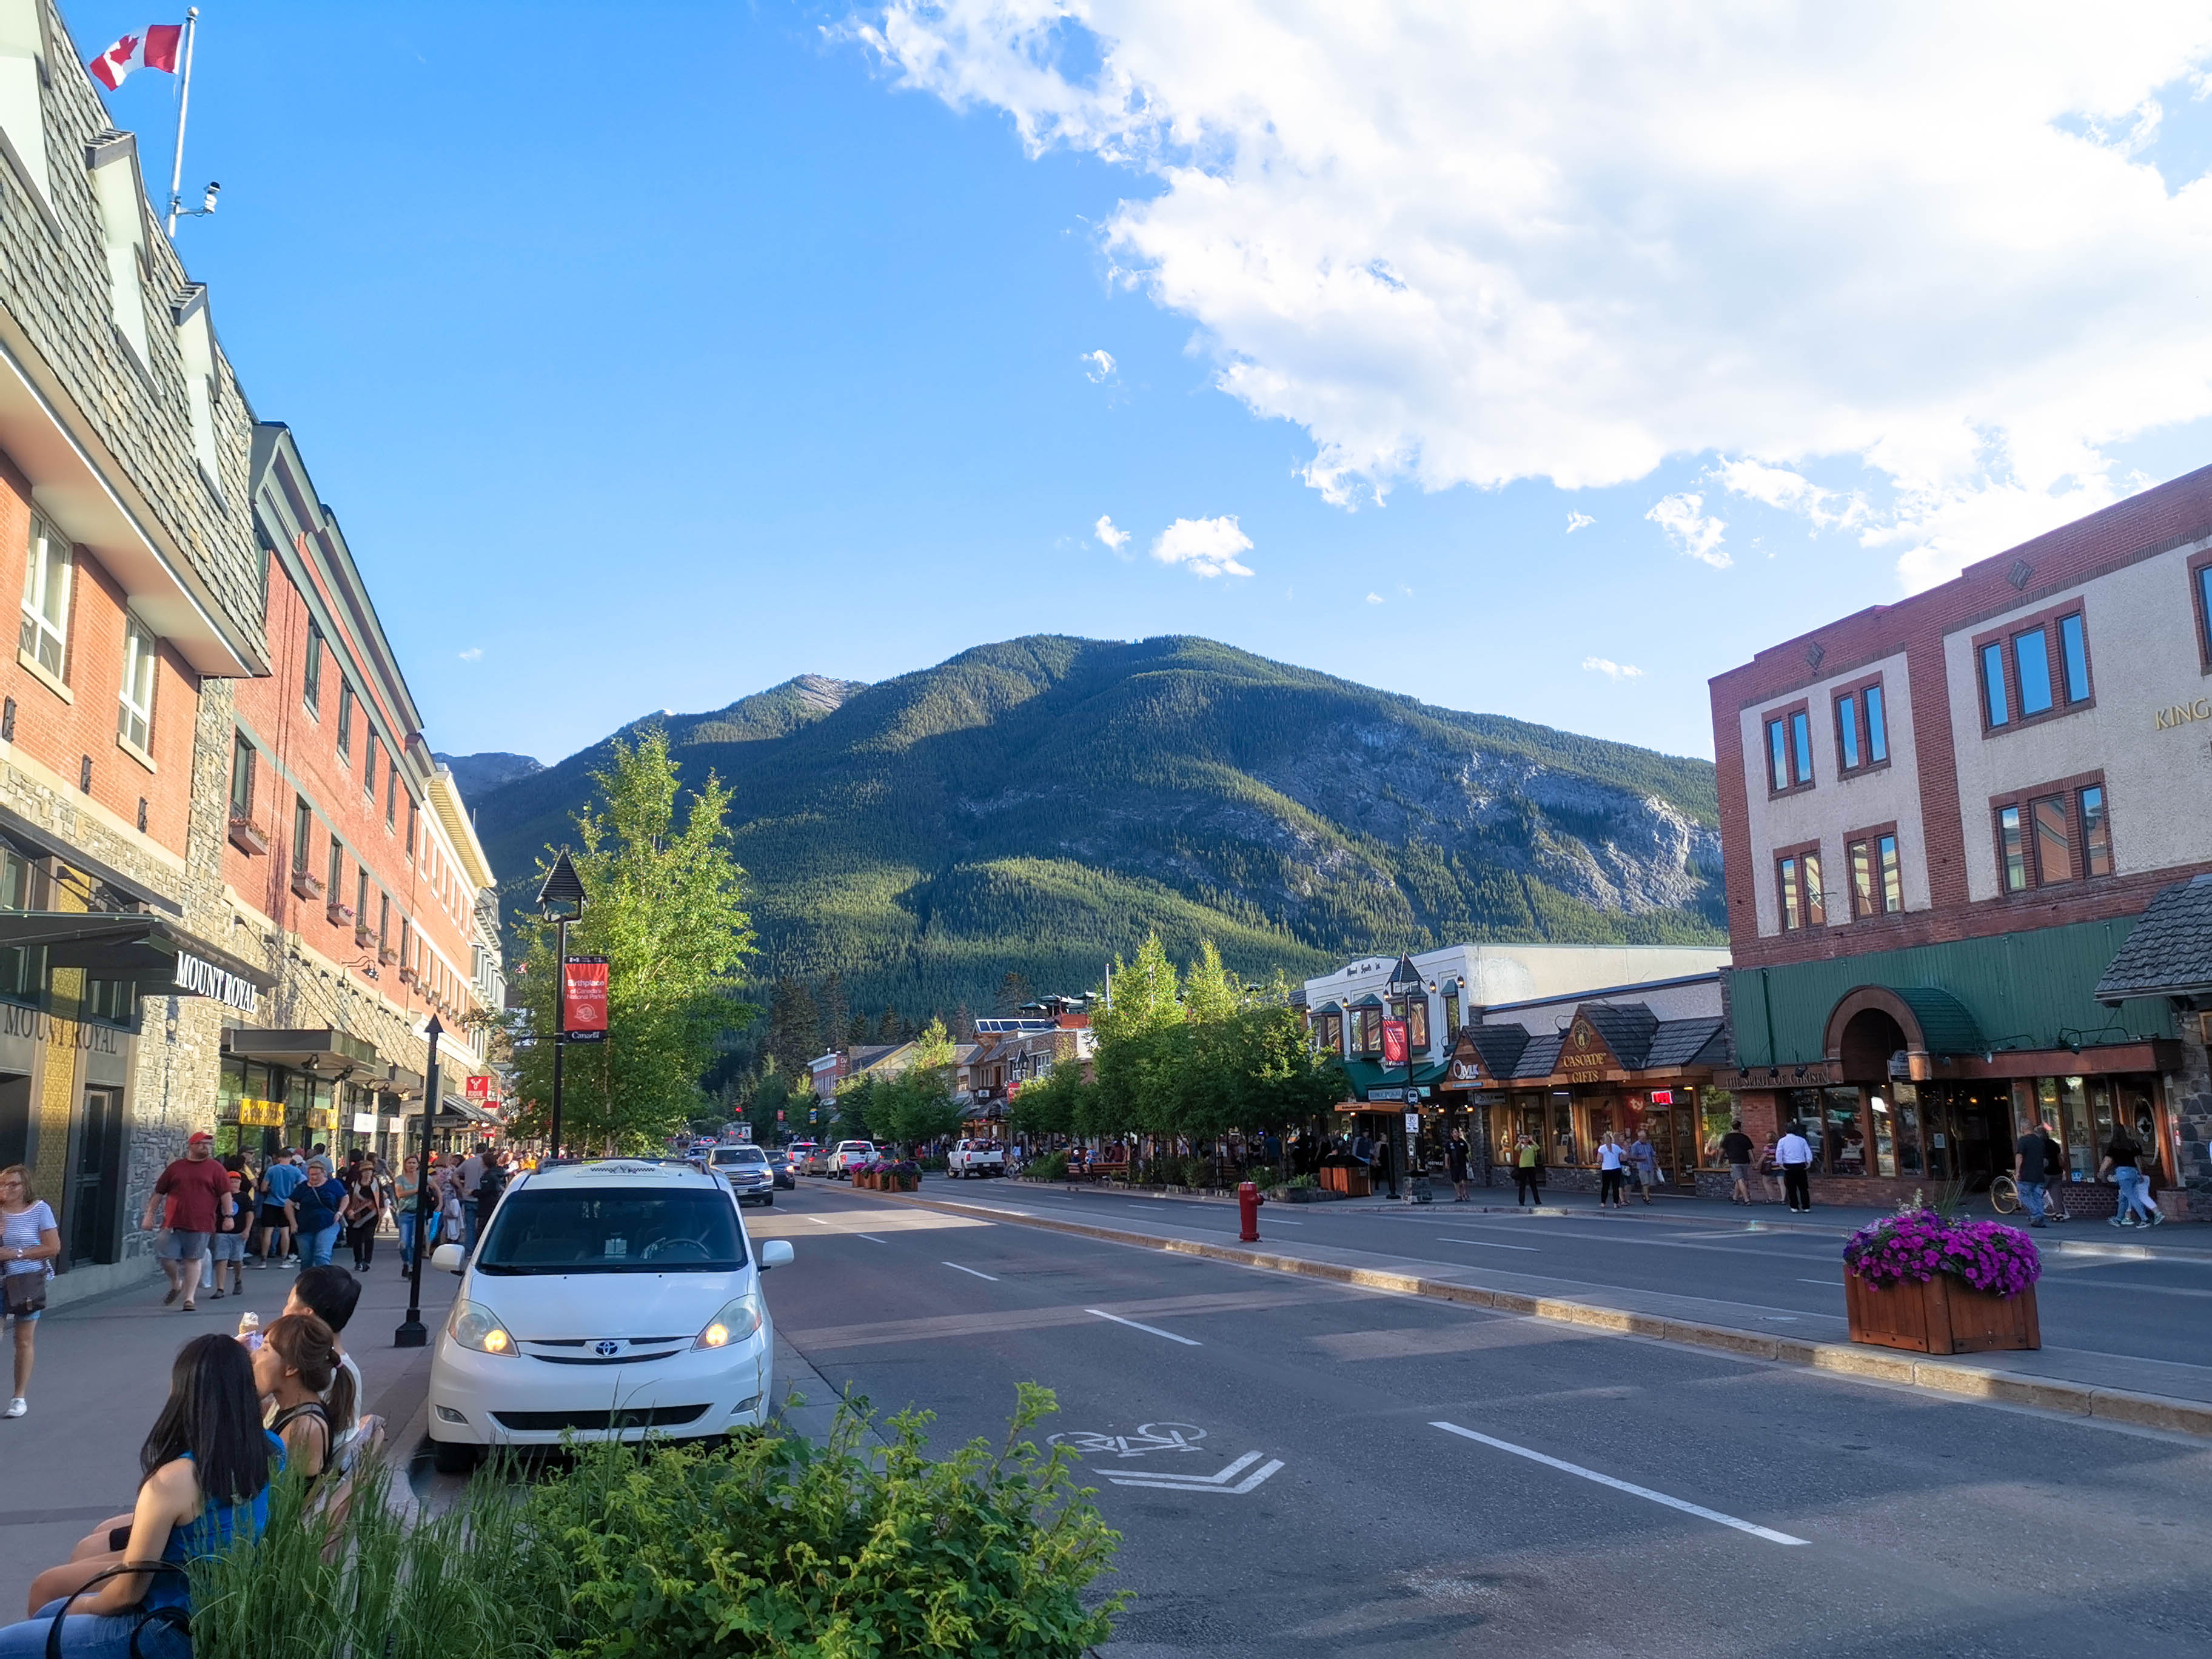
(2157, 1310)
(1300, 1468)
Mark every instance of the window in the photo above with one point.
(407, 940)
(1789, 750)
(303, 831)
(310, 691)
(1451, 1011)
(242, 777)
(1798, 875)
(414, 817)
(196, 350)
(2034, 670)
(360, 899)
(383, 921)
(1877, 880)
(46, 576)
(337, 872)
(1995, 709)
(392, 794)
(122, 201)
(2053, 835)
(1416, 1025)
(1862, 728)
(134, 719)
(2204, 578)
(345, 722)
(368, 769)
(1330, 1030)
(1370, 1031)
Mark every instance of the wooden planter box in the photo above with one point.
(1348, 1179)
(1944, 1315)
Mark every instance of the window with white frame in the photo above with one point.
(46, 576)
(22, 121)
(134, 719)
(122, 201)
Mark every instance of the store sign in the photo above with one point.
(393, 1126)
(477, 1089)
(197, 978)
(1662, 1096)
(261, 1114)
(584, 999)
(364, 1123)
(323, 1117)
(1584, 1053)
(1413, 1123)
(1396, 1094)
(1394, 1042)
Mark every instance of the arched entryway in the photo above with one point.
(1864, 1047)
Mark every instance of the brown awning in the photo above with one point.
(331, 1054)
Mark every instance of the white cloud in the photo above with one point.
(1458, 245)
(1578, 521)
(1683, 518)
(1792, 492)
(474, 653)
(1114, 540)
(1615, 671)
(1098, 366)
(1374, 598)
(1205, 547)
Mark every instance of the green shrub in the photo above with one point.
(1267, 1177)
(1197, 1172)
(1051, 1167)
(1304, 1183)
(766, 1545)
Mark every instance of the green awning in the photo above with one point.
(1368, 1075)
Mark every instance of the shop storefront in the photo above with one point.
(293, 1088)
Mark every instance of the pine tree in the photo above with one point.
(1014, 992)
(793, 1026)
(1210, 994)
(1144, 997)
(835, 1015)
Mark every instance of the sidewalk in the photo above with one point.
(2060, 1378)
(103, 1372)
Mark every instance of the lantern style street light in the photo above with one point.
(560, 901)
(411, 1332)
(1405, 984)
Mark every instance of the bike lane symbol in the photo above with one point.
(1148, 1437)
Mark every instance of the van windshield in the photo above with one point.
(617, 1230)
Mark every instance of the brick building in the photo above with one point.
(1941, 821)
(125, 463)
(359, 886)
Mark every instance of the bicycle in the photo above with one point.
(2004, 1194)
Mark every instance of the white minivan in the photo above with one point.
(620, 1297)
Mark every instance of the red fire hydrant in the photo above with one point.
(1248, 1212)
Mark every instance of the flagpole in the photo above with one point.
(184, 106)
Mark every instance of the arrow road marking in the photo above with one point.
(1217, 1482)
(1154, 1330)
(1697, 1510)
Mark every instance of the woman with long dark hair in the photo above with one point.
(205, 1470)
(310, 1394)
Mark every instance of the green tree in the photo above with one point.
(1145, 995)
(665, 908)
(1210, 994)
(794, 1025)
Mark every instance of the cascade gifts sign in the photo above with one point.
(584, 999)
(1584, 1054)
(1394, 1042)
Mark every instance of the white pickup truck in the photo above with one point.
(976, 1157)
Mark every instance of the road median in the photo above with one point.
(1935, 1375)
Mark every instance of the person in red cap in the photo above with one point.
(198, 1188)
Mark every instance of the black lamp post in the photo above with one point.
(1406, 984)
(411, 1332)
(561, 899)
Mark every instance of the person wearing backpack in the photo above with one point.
(489, 1185)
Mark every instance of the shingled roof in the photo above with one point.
(1626, 1027)
(2170, 952)
(1500, 1046)
(1682, 1041)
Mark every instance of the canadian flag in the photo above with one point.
(154, 46)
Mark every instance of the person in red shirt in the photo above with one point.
(199, 1190)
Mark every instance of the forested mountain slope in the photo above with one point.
(1037, 805)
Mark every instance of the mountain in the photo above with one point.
(479, 775)
(1036, 806)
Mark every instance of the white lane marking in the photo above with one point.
(818, 1221)
(1163, 1481)
(1280, 1222)
(1837, 1283)
(872, 1238)
(1448, 1239)
(1699, 1510)
(1153, 1329)
(971, 1271)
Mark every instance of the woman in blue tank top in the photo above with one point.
(207, 1464)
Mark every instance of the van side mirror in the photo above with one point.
(775, 1253)
(448, 1258)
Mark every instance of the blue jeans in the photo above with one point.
(315, 1247)
(2031, 1199)
(90, 1636)
(2135, 1192)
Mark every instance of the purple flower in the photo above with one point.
(1917, 1246)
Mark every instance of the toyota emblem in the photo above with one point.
(607, 1350)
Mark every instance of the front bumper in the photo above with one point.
(486, 1400)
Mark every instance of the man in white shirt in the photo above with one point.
(1795, 1154)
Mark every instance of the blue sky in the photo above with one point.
(650, 357)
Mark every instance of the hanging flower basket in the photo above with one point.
(1919, 1281)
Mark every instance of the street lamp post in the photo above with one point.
(1406, 984)
(561, 899)
(411, 1332)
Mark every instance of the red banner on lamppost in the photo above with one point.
(584, 999)
(477, 1090)
(1394, 1042)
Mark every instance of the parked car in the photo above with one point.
(615, 1297)
(745, 1167)
(802, 1154)
(849, 1156)
(970, 1159)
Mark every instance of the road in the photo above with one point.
(2157, 1310)
(1592, 1494)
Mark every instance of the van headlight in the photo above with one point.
(736, 1322)
(475, 1326)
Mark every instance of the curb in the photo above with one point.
(1847, 1359)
